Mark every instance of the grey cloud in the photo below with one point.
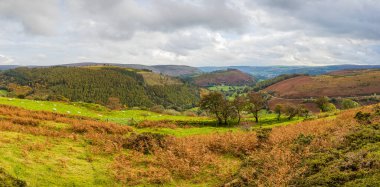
(121, 19)
(37, 17)
(183, 42)
(356, 18)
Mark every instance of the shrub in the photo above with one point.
(376, 110)
(171, 112)
(263, 134)
(157, 108)
(156, 124)
(25, 121)
(145, 143)
(363, 118)
(348, 103)
(328, 107)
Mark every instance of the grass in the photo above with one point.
(45, 161)
(80, 109)
(3, 93)
(182, 132)
(125, 116)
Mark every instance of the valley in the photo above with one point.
(53, 132)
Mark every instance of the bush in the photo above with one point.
(328, 107)
(145, 143)
(348, 103)
(171, 112)
(189, 113)
(263, 134)
(157, 108)
(363, 118)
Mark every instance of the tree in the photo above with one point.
(303, 111)
(291, 111)
(213, 103)
(329, 107)
(239, 104)
(256, 102)
(278, 110)
(322, 102)
(348, 103)
(228, 111)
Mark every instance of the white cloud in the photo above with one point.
(4, 60)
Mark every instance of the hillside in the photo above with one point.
(97, 85)
(171, 70)
(42, 148)
(230, 77)
(266, 72)
(347, 83)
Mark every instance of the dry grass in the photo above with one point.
(157, 124)
(183, 158)
(103, 137)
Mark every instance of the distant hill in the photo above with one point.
(171, 70)
(230, 77)
(265, 72)
(260, 72)
(336, 84)
(7, 67)
(97, 84)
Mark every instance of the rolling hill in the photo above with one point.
(230, 77)
(266, 72)
(171, 70)
(96, 84)
(348, 83)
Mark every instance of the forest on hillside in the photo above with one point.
(96, 86)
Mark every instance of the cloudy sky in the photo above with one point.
(190, 32)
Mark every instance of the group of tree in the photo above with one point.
(291, 110)
(110, 86)
(325, 104)
(225, 110)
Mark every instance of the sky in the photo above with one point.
(190, 32)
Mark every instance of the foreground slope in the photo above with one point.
(47, 149)
(338, 84)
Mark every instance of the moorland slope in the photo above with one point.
(348, 83)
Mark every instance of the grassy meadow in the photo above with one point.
(126, 117)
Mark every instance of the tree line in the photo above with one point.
(226, 111)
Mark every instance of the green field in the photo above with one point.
(48, 161)
(93, 111)
(124, 117)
